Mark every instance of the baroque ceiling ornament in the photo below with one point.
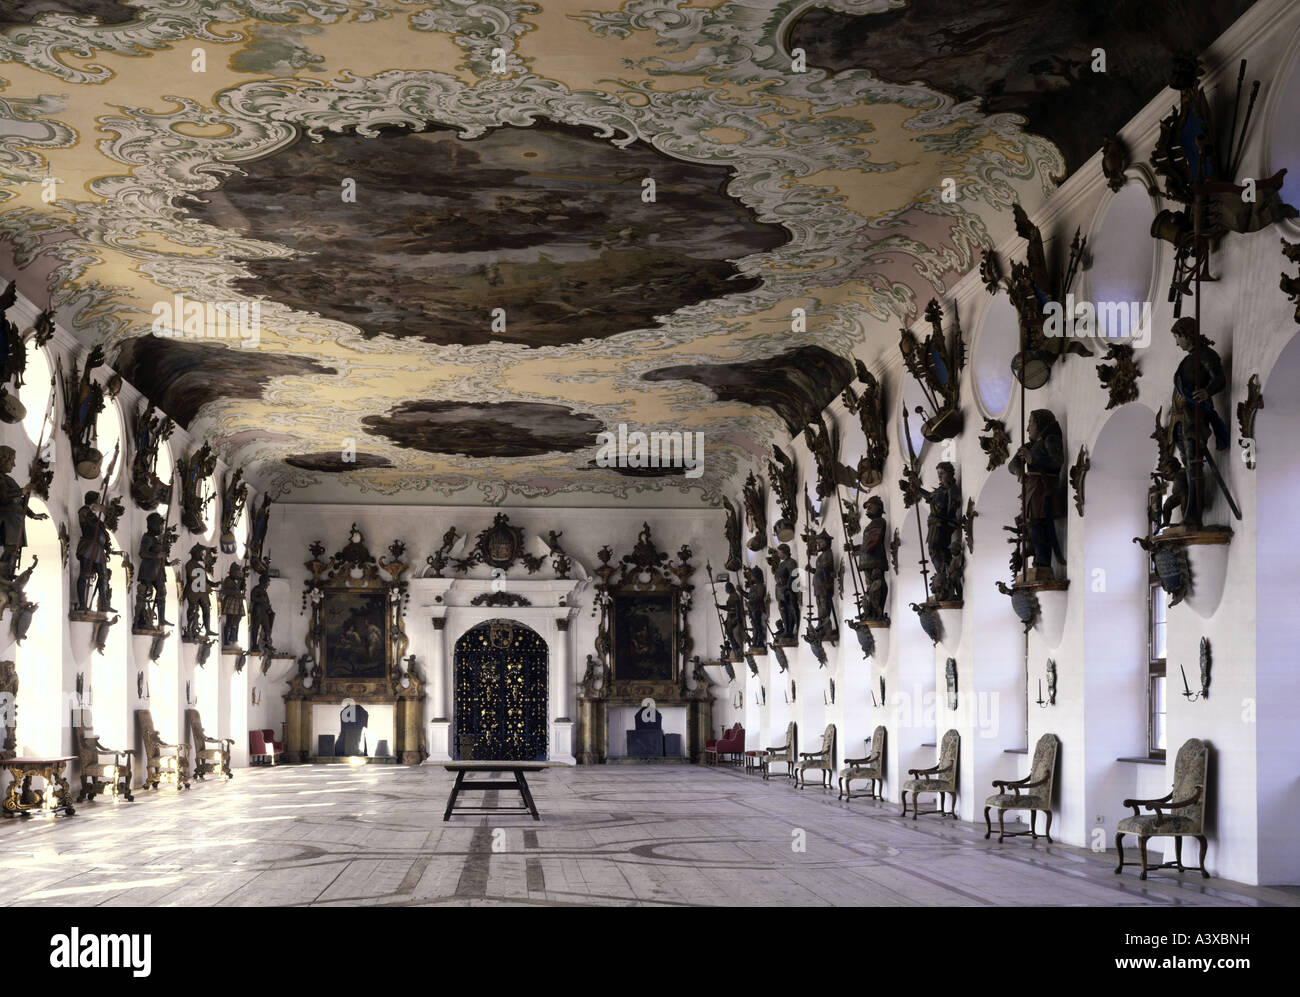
(121, 244)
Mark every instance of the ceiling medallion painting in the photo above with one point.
(776, 191)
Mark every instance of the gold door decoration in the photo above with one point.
(501, 693)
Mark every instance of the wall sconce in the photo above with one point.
(1051, 686)
(1190, 696)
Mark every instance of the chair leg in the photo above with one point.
(1178, 852)
(1119, 850)
(1002, 831)
(1142, 854)
(988, 825)
(1033, 824)
(1049, 827)
(904, 813)
(1205, 844)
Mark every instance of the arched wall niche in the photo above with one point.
(995, 346)
(1125, 259)
(40, 702)
(35, 392)
(1277, 627)
(1282, 139)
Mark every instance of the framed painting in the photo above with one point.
(645, 637)
(355, 639)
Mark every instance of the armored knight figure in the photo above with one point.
(873, 561)
(14, 512)
(230, 599)
(261, 617)
(151, 588)
(734, 618)
(198, 585)
(732, 531)
(1192, 413)
(785, 572)
(1037, 464)
(257, 535)
(92, 554)
(944, 518)
(756, 605)
(823, 585)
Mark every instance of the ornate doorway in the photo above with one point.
(501, 693)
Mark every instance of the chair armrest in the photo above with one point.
(930, 771)
(779, 747)
(812, 754)
(1136, 805)
(857, 761)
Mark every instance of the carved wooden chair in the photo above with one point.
(871, 768)
(165, 762)
(1032, 793)
(822, 761)
(103, 769)
(1179, 814)
(211, 754)
(783, 752)
(940, 779)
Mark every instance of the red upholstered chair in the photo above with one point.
(732, 743)
(711, 746)
(262, 746)
(269, 735)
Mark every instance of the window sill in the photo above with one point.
(1142, 761)
(929, 744)
(1015, 751)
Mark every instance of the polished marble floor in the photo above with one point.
(333, 835)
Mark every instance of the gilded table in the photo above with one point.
(22, 801)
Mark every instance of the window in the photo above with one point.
(1156, 689)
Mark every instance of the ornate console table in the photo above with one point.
(22, 801)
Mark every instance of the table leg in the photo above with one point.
(523, 791)
(455, 791)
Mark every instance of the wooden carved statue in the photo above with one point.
(824, 445)
(1193, 417)
(785, 574)
(149, 428)
(257, 557)
(83, 400)
(784, 477)
(1037, 465)
(151, 586)
(942, 522)
(936, 366)
(732, 531)
(230, 599)
(756, 605)
(193, 472)
(197, 584)
(14, 513)
(234, 495)
(756, 510)
(822, 569)
(13, 361)
(733, 619)
(873, 562)
(261, 617)
(869, 407)
(1198, 165)
(93, 549)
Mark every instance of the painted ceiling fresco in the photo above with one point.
(441, 209)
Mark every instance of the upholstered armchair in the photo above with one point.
(822, 761)
(1032, 793)
(871, 768)
(1178, 814)
(262, 745)
(732, 743)
(103, 769)
(711, 745)
(164, 762)
(211, 754)
(783, 752)
(940, 779)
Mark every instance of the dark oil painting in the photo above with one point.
(356, 643)
(643, 637)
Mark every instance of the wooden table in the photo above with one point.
(517, 769)
(22, 801)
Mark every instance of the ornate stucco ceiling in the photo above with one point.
(382, 175)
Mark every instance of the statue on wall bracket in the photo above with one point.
(258, 559)
(824, 445)
(230, 599)
(1033, 286)
(234, 495)
(756, 511)
(783, 473)
(13, 360)
(869, 407)
(149, 429)
(1291, 285)
(823, 627)
(83, 400)
(197, 584)
(757, 605)
(150, 618)
(731, 530)
(15, 510)
(785, 579)
(936, 366)
(1198, 169)
(194, 473)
